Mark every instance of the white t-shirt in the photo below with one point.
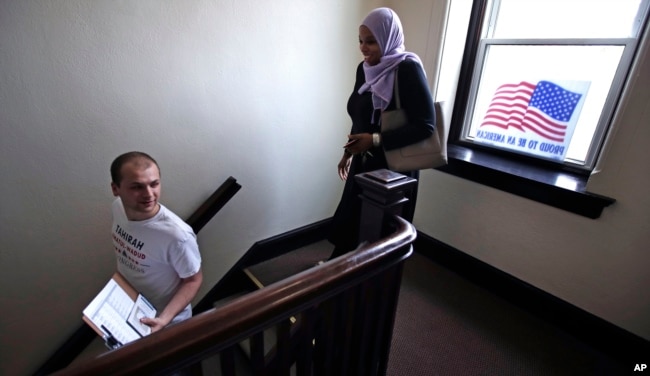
(155, 254)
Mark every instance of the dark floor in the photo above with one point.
(446, 325)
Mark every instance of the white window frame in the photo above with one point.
(629, 45)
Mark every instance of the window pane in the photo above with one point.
(454, 44)
(546, 19)
(543, 100)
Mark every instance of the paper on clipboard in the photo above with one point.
(109, 312)
(142, 308)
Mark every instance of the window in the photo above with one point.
(538, 84)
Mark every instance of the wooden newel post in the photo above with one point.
(383, 196)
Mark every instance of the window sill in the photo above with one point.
(560, 189)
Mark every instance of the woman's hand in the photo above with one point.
(357, 144)
(344, 165)
(363, 143)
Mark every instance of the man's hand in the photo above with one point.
(155, 323)
(184, 295)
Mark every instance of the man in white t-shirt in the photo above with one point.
(156, 251)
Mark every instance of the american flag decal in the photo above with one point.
(545, 108)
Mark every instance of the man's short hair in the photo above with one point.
(116, 166)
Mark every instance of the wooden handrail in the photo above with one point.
(84, 335)
(218, 330)
(213, 204)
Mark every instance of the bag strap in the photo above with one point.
(398, 103)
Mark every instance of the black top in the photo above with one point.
(415, 98)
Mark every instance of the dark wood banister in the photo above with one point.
(345, 309)
(83, 336)
(215, 330)
(213, 204)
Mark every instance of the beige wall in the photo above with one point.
(256, 90)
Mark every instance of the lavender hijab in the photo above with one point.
(386, 27)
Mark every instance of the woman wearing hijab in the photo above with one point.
(381, 41)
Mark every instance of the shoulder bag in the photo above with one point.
(428, 153)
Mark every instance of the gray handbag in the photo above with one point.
(428, 153)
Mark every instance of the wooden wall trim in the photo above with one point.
(593, 330)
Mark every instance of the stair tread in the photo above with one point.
(291, 263)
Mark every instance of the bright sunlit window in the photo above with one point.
(547, 74)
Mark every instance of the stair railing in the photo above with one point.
(335, 318)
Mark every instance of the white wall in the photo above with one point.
(252, 89)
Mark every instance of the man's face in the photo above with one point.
(139, 189)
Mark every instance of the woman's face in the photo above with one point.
(369, 46)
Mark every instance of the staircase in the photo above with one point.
(278, 313)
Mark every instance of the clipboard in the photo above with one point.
(115, 312)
